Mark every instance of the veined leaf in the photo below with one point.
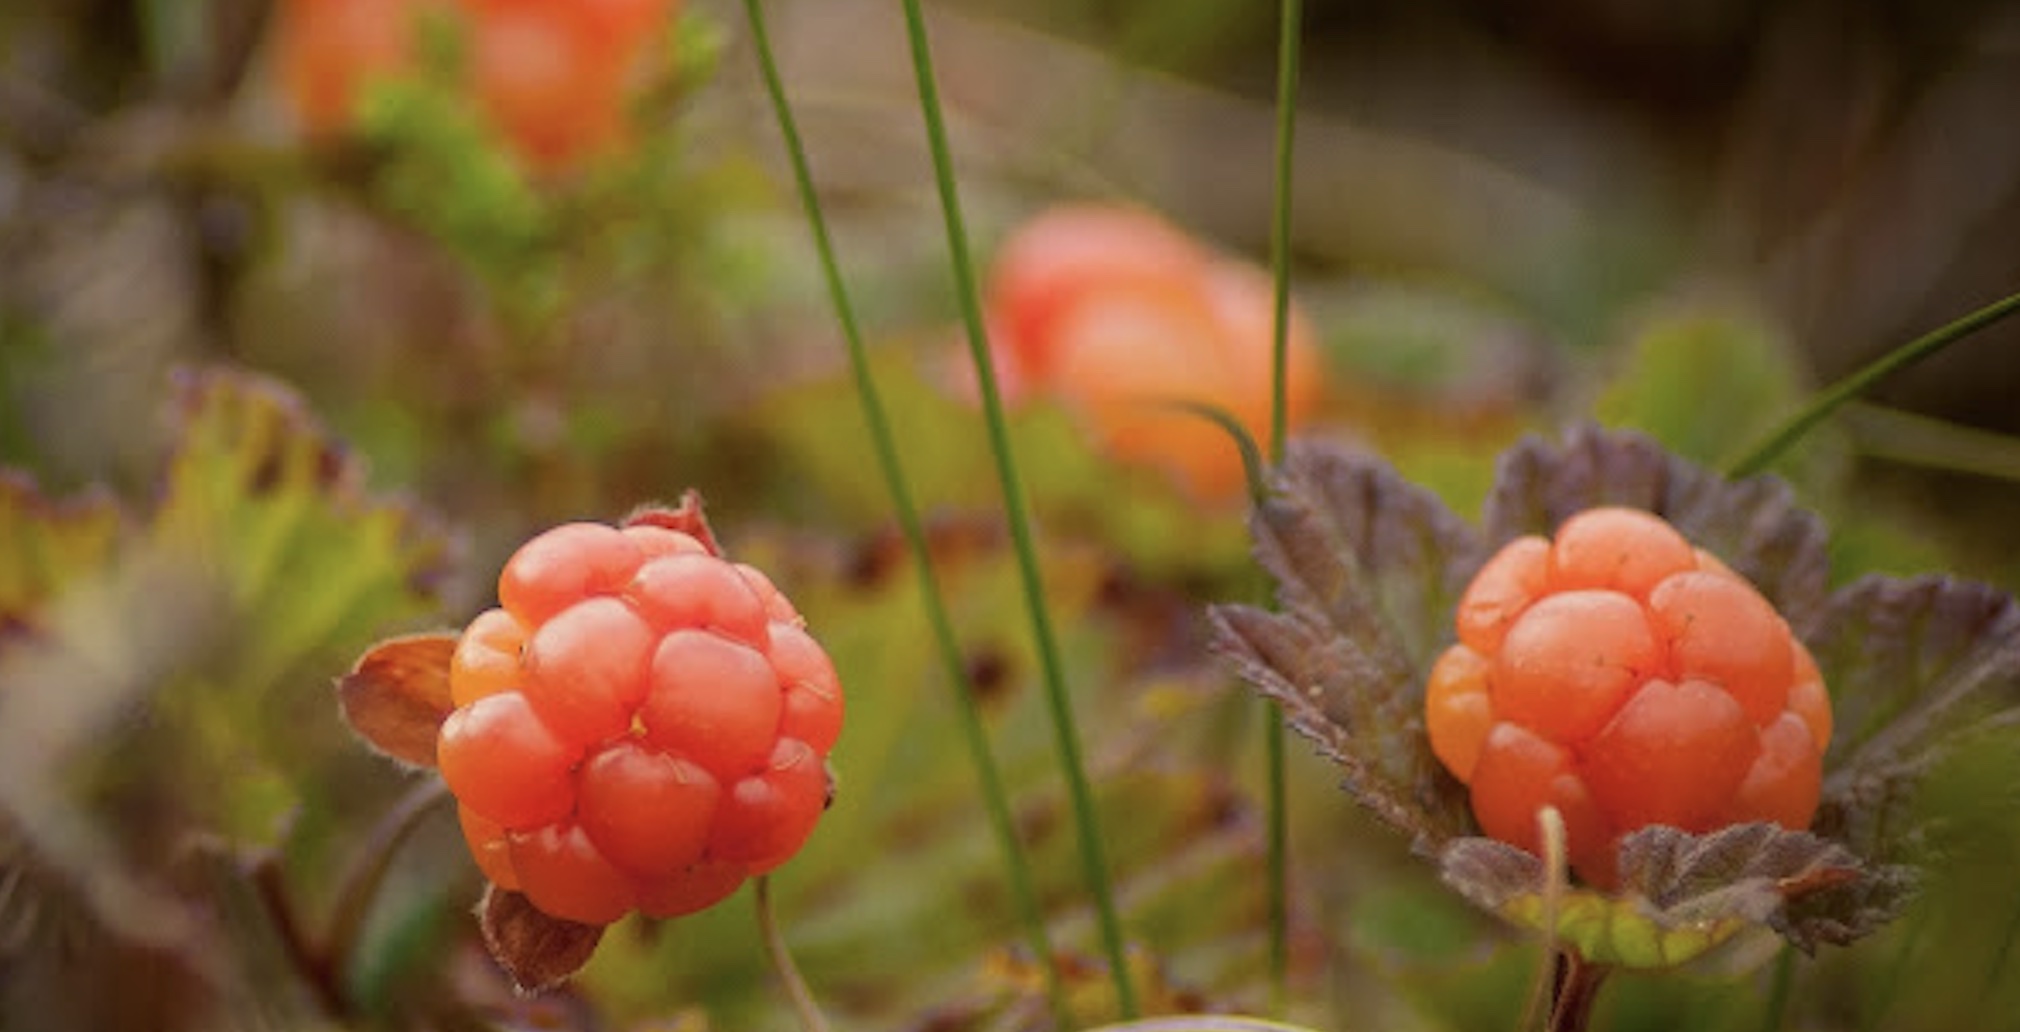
(1681, 895)
(1915, 666)
(1368, 568)
(1754, 525)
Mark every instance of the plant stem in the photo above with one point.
(809, 1012)
(1778, 992)
(373, 859)
(1828, 400)
(1291, 21)
(1575, 991)
(995, 798)
(1093, 863)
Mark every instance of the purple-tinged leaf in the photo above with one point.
(1680, 894)
(1915, 666)
(1753, 525)
(1368, 568)
(538, 951)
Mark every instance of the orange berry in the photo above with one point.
(648, 811)
(504, 763)
(486, 839)
(1626, 550)
(585, 669)
(565, 565)
(487, 657)
(1628, 679)
(1673, 755)
(714, 701)
(1786, 781)
(1457, 711)
(1516, 576)
(563, 873)
(643, 726)
(1570, 661)
(1721, 630)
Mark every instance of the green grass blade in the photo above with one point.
(1277, 806)
(995, 798)
(1093, 863)
(1828, 400)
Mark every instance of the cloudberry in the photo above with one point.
(1119, 314)
(1626, 678)
(641, 725)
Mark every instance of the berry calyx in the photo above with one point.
(1628, 679)
(641, 725)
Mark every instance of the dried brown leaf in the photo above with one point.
(687, 517)
(538, 951)
(397, 696)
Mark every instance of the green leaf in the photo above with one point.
(1368, 569)
(1754, 524)
(1916, 668)
(1707, 382)
(46, 545)
(1681, 895)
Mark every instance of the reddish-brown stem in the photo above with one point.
(1574, 991)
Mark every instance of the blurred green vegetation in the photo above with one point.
(264, 401)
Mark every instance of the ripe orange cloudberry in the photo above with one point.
(640, 725)
(1118, 314)
(1626, 678)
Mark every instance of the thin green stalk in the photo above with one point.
(1856, 384)
(996, 800)
(1777, 1012)
(1093, 863)
(1278, 822)
(808, 1011)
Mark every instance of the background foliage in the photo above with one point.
(263, 402)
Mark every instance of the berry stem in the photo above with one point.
(809, 1012)
(1277, 890)
(1093, 863)
(1828, 400)
(373, 860)
(995, 797)
(1575, 991)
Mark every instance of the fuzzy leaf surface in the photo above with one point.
(1368, 568)
(1754, 525)
(1681, 895)
(1915, 667)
